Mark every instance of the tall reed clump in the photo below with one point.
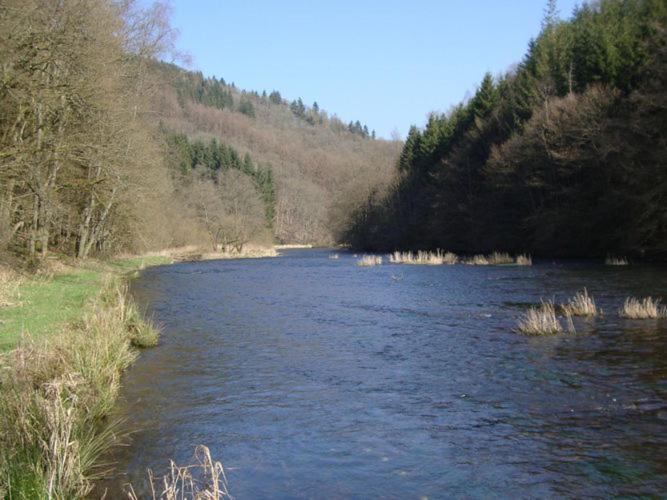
(646, 308)
(370, 260)
(500, 258)
(423, 257)
(204, 480)
(616, 261)
(581, 304)
(55, 398)
(524, 260)
(477, 260)
(540, 321)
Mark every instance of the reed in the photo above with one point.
(334, 256)
(646, 308)
(203, 480)
(500, 258)
(524, 260)
(423, 257)
(477, 260)
(540, 321)
(581, 304)
(616, 261)
(370, 260)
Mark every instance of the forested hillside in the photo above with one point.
(321, 167)
(104, 149)
(564, 155)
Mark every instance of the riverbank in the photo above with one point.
(66, 336)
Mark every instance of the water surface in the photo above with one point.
(314, 378)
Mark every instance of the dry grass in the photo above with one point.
(477, 260)
(248, 252)
(205, 480)
(540, 321)
(524, 260)
(10, 282)
(646, 308)
(293, 246)
(56, 395)
(334, 256)
(616, 261)
(581, 304)
(423, 257)
(370, 260)
(499, 258)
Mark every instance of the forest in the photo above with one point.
(105, 148)
(564, 155)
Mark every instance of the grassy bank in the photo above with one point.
(67, 337)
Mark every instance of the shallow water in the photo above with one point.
(310, 377)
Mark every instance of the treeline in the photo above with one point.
(217, 93)
(83, 169)
(565, 155)
(79, 168)
(211, 158)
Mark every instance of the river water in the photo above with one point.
(314, 378)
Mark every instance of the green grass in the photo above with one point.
(58, 387)
(137, 263)
(47, 304)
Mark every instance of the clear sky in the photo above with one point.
(387, 63)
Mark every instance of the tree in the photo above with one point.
(246, 107)
(275, 97)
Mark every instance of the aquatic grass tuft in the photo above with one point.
(500, 258)
(582, 304)
(646, 308)
(203, 480)
(616, 261)
(334, 256)
(423, 257)
(370, 260)
(540, 321)
(477, 260)
(524, 260)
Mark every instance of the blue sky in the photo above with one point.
(387, 63)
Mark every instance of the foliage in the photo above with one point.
(562, 156)
(209, 159)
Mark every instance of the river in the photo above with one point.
(314, 378)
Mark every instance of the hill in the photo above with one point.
(321, 167)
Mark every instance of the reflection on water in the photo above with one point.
(311, 377)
